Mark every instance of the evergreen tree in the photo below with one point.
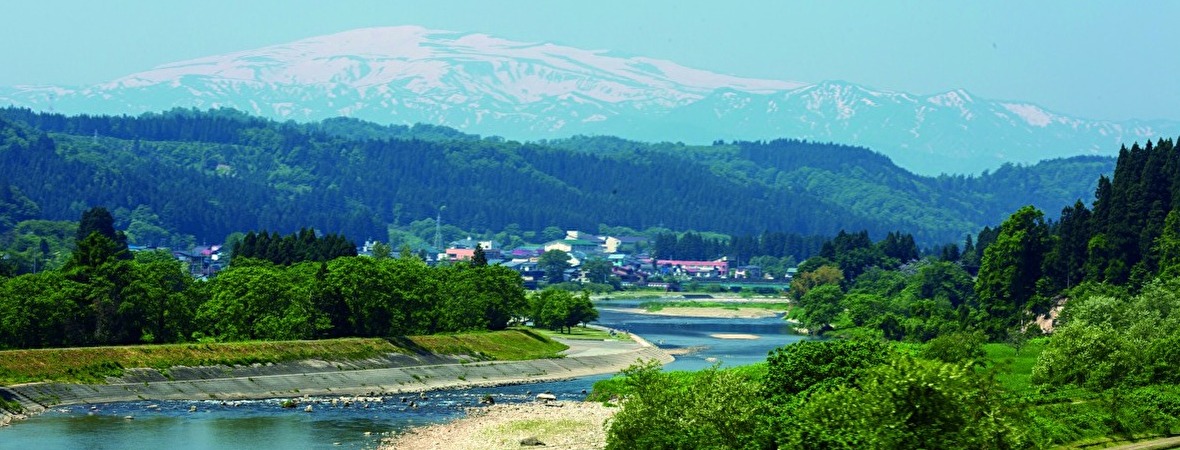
(479, 259)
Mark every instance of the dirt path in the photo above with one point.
(1154, 444)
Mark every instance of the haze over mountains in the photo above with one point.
(492, 86)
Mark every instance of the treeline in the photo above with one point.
(696, 246)
(1026, 267)
(105, 296)
(1106, 372)
(208, 174)
(835, 394)
(293, 248)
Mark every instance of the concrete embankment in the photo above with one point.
(395, 374)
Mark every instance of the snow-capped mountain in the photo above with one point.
(487, 85)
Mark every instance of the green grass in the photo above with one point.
(94, 364)
(11, 406)
(1014, 371)
(508, 345)
(658, 305)
(91, 365)
(582, 333)
(616, 386)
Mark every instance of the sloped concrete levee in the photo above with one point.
(317, 378)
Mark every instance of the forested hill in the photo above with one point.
(212, 173)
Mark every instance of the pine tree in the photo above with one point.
(479, 259)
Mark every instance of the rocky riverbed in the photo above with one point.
(565, 425)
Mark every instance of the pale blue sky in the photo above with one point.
(1095, 59)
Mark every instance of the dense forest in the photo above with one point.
(106, 294)
(188, 176)
(929, 356)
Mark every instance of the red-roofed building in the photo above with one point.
(697, 269)
(460, 254)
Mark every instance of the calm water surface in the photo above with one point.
(264, 424)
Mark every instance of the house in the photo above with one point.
(202, 262)
(526, 252)
(580, 235)
(467, 244)
(694, 269)
(572, 245)
(459, 254)
(613, 244)
(748, 272)
(530, 272)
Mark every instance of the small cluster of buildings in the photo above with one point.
(629, 260)
(627, 255)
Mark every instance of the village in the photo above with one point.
(622, 262)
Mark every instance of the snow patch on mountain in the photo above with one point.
(1031, 114)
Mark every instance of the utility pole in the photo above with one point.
(438, 229)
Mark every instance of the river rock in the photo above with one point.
(531, 441)
(546, 397)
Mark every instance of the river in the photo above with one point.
(265, 425)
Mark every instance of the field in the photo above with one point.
(1014, 370)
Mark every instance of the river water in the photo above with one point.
(265, 424)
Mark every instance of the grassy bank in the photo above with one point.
(583, 333)
(94, 364)
(510, 345)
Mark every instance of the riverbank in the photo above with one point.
(566, 425)
(386, 375)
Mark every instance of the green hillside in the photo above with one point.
(208, 174)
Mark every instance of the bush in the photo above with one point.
(909, 403)
(957, 348)
(717, 409)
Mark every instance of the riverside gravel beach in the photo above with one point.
(564, 425)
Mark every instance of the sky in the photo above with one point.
(1112, 60)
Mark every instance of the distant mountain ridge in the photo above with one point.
(492, 86)
(208, 174)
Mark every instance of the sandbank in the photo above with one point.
(565, 425)
(700, 311)
(735, 336)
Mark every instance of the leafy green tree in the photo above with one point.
(908, 403)
(956, 348)
(820, 307)
(1010, 270)
(821, 276)
(597, 270)
(382, 250)
(366, 286)
(806, 365)
(554, 263)
(552, 233)
(40, 311)
(501, 296)
(260, 301)
(162, 293)
(944, 280)
(714, 409)
(560, 309)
